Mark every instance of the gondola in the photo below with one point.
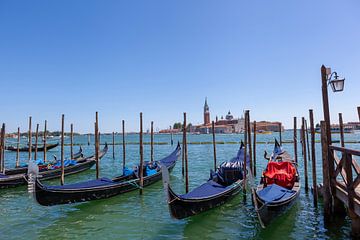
(223, 184)
(26, 149)
(23, 169)
(52, 171)
(279, 186)
(103, 187)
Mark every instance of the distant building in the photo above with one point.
(269, 126)
(227, 125)
(206, 113)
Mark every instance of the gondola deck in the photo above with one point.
(15, 180)
(272, 200)
(99, 188)
(208, 195)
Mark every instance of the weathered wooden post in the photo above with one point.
(171, 137)
(71, 141)
(355, 220)
(123, 143)
(17, 151)
(88, 139)
(295, 141)
(141, 170)
(62, 180)
(97, 145)
(183, 152)
(358, 108)
(304, 155)
(36, 141)
(313, 157)
(152, 142)
(326, 177)
(186, 158)
(3, 146)
(30, 138)
(254, 148)
(2, 149)
(307, 140)
(245, 150)
(113, 145)
(338, 206)
(280, 134)
(249, 140)
(341, 127)
(44, 140)
(214, 143)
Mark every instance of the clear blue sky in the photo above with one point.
(164, 57)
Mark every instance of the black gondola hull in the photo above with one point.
(26, 149)
(268, 212)
(47, 197)
(182, 208)
(19, 170)
(21, 179)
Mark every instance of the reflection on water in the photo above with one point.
(130, 216)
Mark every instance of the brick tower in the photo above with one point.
(206, 113)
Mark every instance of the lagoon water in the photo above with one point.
(130, 216)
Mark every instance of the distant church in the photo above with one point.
(227, 125)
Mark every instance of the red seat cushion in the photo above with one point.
(280, 173)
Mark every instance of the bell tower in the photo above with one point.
(206, 113)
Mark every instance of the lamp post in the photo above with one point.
(337, 85)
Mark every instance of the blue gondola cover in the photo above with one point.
(275, 193)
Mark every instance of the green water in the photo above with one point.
(130, 216)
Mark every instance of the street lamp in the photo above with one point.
(337, 84)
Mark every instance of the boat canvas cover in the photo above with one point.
(88, 184)
(274, 193)
(207, 189)
(281, 173)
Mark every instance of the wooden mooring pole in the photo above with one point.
(152, 142)
(123, 143)
(113, 145)
(2, 149)
(313, 156)
(44, 139)
(171, 137)
(36, 141)
(304, 154)
(358, 108)
(245, 150)
(307, 140)
(254, 149)
(71, 141)
(88, 139)
(214, 143)
(295, 141)
(337, 205)
(186, 158)
(30, 138)
(141, 170)
(183, 152)
(341, 127)
(326, 176)
(17, 164)
(97, 145)
(249, 140)
(62, 180)
(280, 134)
